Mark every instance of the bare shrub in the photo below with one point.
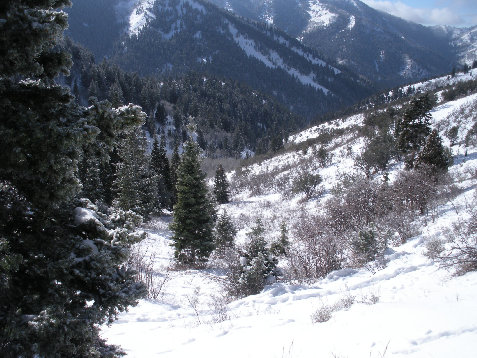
(414, 190)
(220, 309)
(143, 264)
(358, 204)
(325, 312)
(316, 251)
(434, 248)
(462, 252)
(193, 300)
(345, 303)
(401, 226)
(370, 299)
(322, 314)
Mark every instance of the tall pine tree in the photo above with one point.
(221, 185)
(193, 214)
(62, 271)
(433, 155)
(175, 162)
(135, 182)
(160, 166)
(413, 128)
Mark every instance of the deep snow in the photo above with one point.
(410, 308)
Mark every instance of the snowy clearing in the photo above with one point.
(409, 308)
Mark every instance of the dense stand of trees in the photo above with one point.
(62, 271)
(227, 116)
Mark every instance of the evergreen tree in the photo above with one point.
(434, 155)
(225, 232)
(221, 186)
(90, 176)
(193, 213)
(136, 183)
(281, 246)
(413, 129)
(258, 265)
(93, 90)
(116, 94)
(62, 270)
(160, 166)
(175, 162)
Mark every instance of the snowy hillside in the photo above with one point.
(384, 48)
(404, 306)
(176, 37)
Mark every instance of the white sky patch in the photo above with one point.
(434, 16)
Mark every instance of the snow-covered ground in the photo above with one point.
(409, 308)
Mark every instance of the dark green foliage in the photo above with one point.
(228, 115)
(193, 213)
(216, 53)
(258, 267)
(225, 232)
(378, 153)
(221, 186)
(281, 246)
(323, 156)
(61, 260)
(175, 162)
(459, 90)
(365, 247)
(306, 183)
(413, 128)
(452, 134)
(161, 168)
(136, 184)
(434, 155)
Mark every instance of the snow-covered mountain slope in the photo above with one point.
(465, 42)
(140, 14)
(381, 47)
(179, 36)
(411, 307)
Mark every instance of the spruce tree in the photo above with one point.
(412, 130)
(135, 182)
(221, 186)
(281, 246)
(258, 266)
(193, 214)
(160, 166)
(433, 155)
(62, 270)
(175, 162)
(225, 232)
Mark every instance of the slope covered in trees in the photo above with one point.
(229, 117)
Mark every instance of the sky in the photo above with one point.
(462, 13)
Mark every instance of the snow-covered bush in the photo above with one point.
(253, 267)
(322, 314)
